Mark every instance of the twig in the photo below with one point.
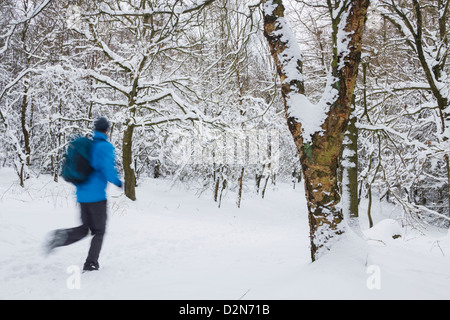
(244, 294)
(437, 243)
(7, 190)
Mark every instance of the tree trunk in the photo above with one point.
(157, 170)
(369, 207)
(258, 178)
(350, 167)
(241, 179)
(224, 186)
(21, 175)
(433, 75)
(25, 132)
(216, 189)
(23, 114)
(447, 161)
(319, 157)
(57, 156)
(432, 61)
(217, 175)
(127, 157)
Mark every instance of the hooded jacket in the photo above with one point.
(104, 163)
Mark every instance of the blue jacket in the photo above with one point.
(104, 163)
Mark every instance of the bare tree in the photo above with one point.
(138, 41)
(423, 26)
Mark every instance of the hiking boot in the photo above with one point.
(91, 266)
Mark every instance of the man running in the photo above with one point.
(91, 195)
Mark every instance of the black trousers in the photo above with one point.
(93, 218)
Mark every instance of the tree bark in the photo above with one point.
(369, 207)
(434, 75)
(25, 132)
(24, 107)
(350, 168)
(127, 159)
(241, 179)
(447, 163)
(319, 157)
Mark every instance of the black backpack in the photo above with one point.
(76, 167)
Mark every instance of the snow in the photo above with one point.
(310, 116)
(173, 244)
(385, 230)
(269, 7)
(167, 9)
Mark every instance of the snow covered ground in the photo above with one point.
(173, 244)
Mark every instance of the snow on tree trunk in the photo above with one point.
(318, 130)
(349, 169)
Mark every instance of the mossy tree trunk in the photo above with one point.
(320, 156)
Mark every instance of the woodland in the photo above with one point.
(348, 97)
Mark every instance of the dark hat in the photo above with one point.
(101, 124)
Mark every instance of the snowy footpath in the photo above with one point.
(174, 244)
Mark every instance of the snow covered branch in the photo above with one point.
(186, 7)
(14, 24)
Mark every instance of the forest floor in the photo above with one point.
(173, 243)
